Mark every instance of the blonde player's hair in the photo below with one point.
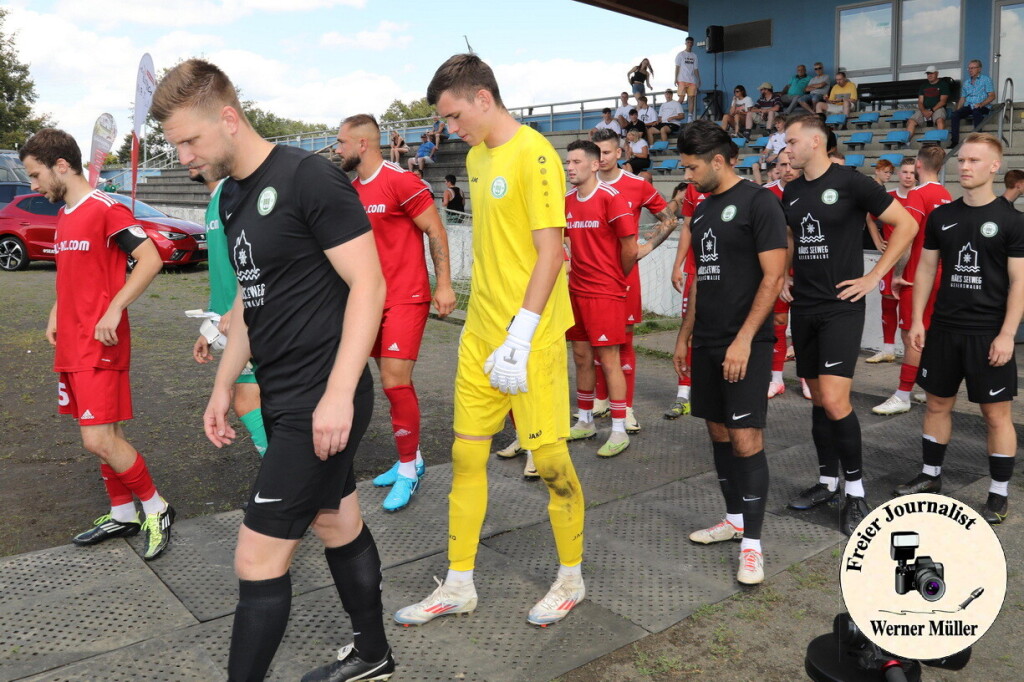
(195, 84)
(986, 138)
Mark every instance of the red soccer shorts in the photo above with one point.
(95, 396)
(401, 331)
(907, 305)
(598, 320)
(781, 307)
(885, 284)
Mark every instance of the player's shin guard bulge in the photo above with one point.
(405, 420)
(565, 505)
(467, 502)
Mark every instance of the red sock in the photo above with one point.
(405, 420)
(512, 418)
(685, 381)
(116, 490)
(618, 409)
(585, 401)
(138, 480)
(908, 375)
(890, 306)
(627, 354)
(600, 385)
(779, 354)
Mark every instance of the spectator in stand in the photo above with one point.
(606, 122)
(976, 94)
(648, 116)
(439, 131)
(764, 110)
(814, 92)
(424, 154)
(670, 117)
(1014, 180)
(741, 104)
(622, 112)
(931, 102)
(796, 88)
(638, 155)
(398, 147)
(883, 173)
(838, 159)
(688, 78)
(640, 74)
(842, 98)
(634, 123)
(452, 198)
(776, 143)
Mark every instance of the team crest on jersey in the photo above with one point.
(728, 213)
(989, 229)
(499, 187)
(268, 198)
(829, 196)
(137, 231)
(810, 230)
(709, 247)
(967, 260)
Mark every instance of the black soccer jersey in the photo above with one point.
(729, 231)
(278, 222)
(826, 216)
(973, 244)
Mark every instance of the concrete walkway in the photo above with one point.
(104, 614)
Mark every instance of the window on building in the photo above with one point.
(865, 38)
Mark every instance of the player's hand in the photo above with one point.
(679, 357)
(787, 289)
(225, 324)
(898, 283)
(1001, 350)
(215, 419)
(678, 280)
(332, 424)
(506, 366)
(916, 336)
(855, 289)
(444, 300)
(201, 350)
(51, 327)
(106, 328)
(734, 367)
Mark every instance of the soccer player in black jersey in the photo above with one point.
(825, 210)
(979, 240)
(307, 312)
(739, 238)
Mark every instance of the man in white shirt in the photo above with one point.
(648, 116)
(607, 122)
(622, 112)
(688, 77)
(670, 116)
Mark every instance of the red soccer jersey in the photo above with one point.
(594, 225)
(691, 200)
(91, 269)
(915, 207)
(776, 188)
(392, 197)
(639, 194)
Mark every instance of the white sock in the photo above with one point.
(124, 513)
(154, 505)
(586, 416)
(777, 377)
(570, 571)
(419, 458)
(619, 425)
(460, 578)
(748, 543)
(831, 481)
(683, 393)
(903, 395)
(855, 488)
(407, 469)
(932, 470)
(1000, 488)
(889, 348)
(736, 520)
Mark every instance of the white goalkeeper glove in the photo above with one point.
(506, 366)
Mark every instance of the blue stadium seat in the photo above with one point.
(836, 120)
(894, 159)
(759, 144)
(900, 118)
(622, 162)
(865, 119)
(747, 162)
(659, 147)
(935, 136)
(741, 142)
(666, 166)
(859, 139)
(855, 160)
(896, 139)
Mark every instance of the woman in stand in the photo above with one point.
(640, 74)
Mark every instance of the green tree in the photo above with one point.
(17, 95)
(418, 111)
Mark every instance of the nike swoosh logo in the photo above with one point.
(697, 219)
(737, 417)
(750, 499)
(833, 364)
(794, 201)
(851, 473)
(228, 216)
(946, 227)
(997, 392)
(261, 500)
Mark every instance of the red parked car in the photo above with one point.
(28, 223)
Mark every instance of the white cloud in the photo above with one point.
(186, 12)
(387, 36)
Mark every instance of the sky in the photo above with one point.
(321, 60)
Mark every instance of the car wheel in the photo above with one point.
(13, 255)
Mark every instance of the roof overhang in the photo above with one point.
(671, 13)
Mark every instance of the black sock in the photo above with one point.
(933, 452)
(1000, 468)
(821, 434)
(260, 620)
(727, 477)
(752, 480)
(355, 568)
(846, 436)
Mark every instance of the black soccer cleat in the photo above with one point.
(106, 528)
(997, 507)
(854, 511)
(349, 667)
(813, 496)
(922, 483)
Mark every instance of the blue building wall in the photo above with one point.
(802, 33)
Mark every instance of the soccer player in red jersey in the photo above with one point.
(683, 271)
(639, 195)
(88, 326)
(401, 210)
(601, 232)
(928, 195)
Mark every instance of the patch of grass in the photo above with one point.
(722, 643)
(805, 578)
(649, 665)
(652, 353)
(706, 610)
(657, 324)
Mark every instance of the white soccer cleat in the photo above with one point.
(723, 531)
(776, 388)
(530, 470)
(751, 570)
(511, 450)
(564, 595)
(632, 425)
(805, 389)
(894, 405)
(602, 408)
(920, 398)
(881, 357)
(447, 599)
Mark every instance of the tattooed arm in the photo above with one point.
(444, 296)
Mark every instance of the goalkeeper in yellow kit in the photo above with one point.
(517, 189)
